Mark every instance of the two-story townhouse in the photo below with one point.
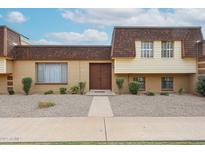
(159, 58)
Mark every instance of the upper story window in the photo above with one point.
(147, 49)
(51, 73)
(167, 49)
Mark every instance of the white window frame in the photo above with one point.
(167, 49)
(147, 49)
(62, 77)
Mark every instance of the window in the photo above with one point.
(167, 49)
(167, 83)
(141, 81)
(51, 73)
(147, 49)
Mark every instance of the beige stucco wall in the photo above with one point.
(153, 82)
(77, 71)
(9, 66)
(177, 64)
(3, 84)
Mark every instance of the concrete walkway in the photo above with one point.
(100, 107)
(101, 129)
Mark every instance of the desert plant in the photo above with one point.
(201, 85)
(149, 93)
(82, 87)
(119, 82)
(134, 87)
(180, 91)
(45, 104)
(63, 90)
(26, 84)
(48, 92)
(164, 93)
(11, 92)
(74, 89)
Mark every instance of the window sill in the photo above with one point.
(51, 83)
(167, 89)
(167, 58)
(141, 90)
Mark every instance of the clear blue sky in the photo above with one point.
(91, 26)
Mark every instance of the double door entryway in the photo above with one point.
(100, 75)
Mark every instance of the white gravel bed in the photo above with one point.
(27, 106)
(158, 106)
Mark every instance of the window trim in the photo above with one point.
(144, 82)
(49, 83)
(167, 89)
(145, 49)
(162, 49)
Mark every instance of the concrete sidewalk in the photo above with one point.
(101, 129)
(100, 107)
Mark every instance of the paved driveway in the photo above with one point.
(158, 106)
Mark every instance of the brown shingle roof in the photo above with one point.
(123, 41)
(62, 52)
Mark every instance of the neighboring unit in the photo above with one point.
(159, 58)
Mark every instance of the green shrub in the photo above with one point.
(44, 104)
(63, 91)
(26, 84)
(180, 91)
(134, 87)
(119, 82)
(48, 92)
(74, 89)
(164, 93)
(82, 85)
(149, 93)
(201, 85)
(11, 92)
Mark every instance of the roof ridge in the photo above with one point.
(63, 46)
(160, 27)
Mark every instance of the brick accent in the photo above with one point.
(10, 82)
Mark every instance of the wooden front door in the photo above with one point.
(100, 75)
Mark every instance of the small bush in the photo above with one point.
(45, 104)
(119, 82)
(180, 91)
(149, 93)
(164, 93)
(134, 87)
(201, 85)
(26, 84)
(11, 92)
(74, 89)
(63, 91)
(48, 92)
(82, 85)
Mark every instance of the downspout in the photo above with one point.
(197, 55)
(197, 65)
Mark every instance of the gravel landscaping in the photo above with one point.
(27, 106)
(164, 106)
(122, 105)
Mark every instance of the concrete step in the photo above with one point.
(100, 93)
